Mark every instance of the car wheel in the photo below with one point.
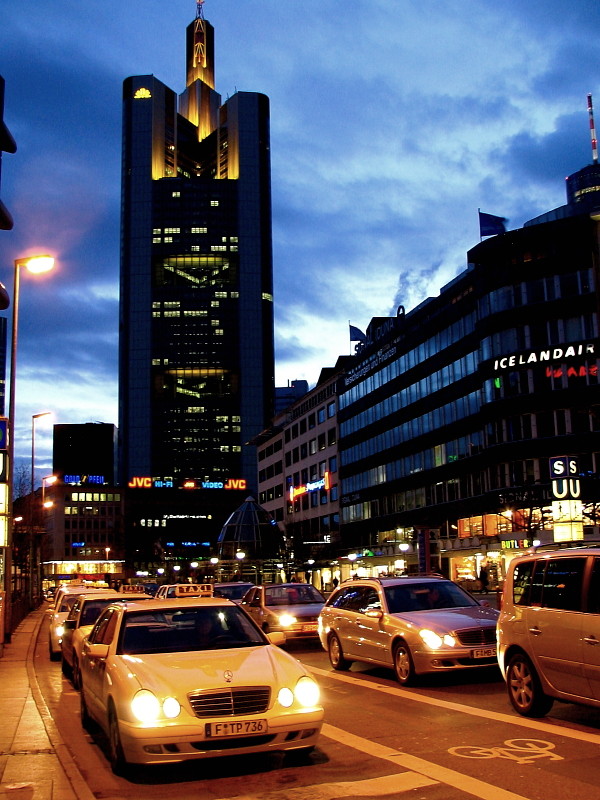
(403, 664)
(76, 674)
(115, 748)
(336, 654)
(525, 689)
(87, 722)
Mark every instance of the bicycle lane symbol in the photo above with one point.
(523, 751)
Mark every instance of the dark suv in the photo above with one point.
(413, 624)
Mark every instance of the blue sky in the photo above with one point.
(391, 124)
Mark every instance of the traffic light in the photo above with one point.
(7, 145)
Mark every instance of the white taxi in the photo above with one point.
(81, 619)
(63, 603)
(191, 678)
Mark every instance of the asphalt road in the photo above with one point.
(451, 738)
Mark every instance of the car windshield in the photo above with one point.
(297, 594)
(186, 629)
(425, 596)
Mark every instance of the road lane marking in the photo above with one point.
(523, 751)
(464, 783)
(389, 785)
(523, 722)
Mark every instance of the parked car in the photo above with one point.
(180, 679)
(232, 591)
(292, 608)
(63, 602)
(414, 625)
(79, 623)
(549, 630)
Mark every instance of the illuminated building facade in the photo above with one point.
(298, 475)
(454, 414)
(196, 315)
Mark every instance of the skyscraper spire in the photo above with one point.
(199, 9)
(592, 130)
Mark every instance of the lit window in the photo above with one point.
(236, 448)
(215, 248)
(236, 418)
(176, 194)
(172, 230)
(155, 304)
(156, 230)
(215, 323)
(199, 230)
(233, 239)
(214, 202)
(220, 294)
(156, 362)
(172, 313)
(195, 248)
(168, 238)
(214, 303)
(234, 248)
(224, 448)
(267, 296)
(235, 295)
(156, 240)
(172, 304)
(218, 331)
(156, 313)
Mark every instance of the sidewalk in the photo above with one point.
(34, 761)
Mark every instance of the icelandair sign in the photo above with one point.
(585, 350)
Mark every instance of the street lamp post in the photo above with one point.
(35, 265)
(33, 549)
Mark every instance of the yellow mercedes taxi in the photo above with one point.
(193, 677)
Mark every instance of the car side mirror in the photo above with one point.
(96, 650)
(277, 637)
(374, 613)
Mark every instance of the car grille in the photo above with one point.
(477, 636)
(231, 702)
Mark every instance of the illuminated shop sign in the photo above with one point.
(160, 483)
(550, 354)
(142, 94)
(311, 486)
(516, 544)
(82, 479)
(572, 372)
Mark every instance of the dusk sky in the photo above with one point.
(392, 122)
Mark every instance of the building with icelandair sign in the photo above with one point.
(455, 417)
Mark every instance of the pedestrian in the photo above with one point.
(484, 578)
(335, 582)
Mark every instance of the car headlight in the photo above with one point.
(434, 641)
(307, 692)
(285, 620)
(285, 697)
(60, 629)
(171, 707)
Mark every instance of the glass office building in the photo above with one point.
(196, 313)
(455, 415)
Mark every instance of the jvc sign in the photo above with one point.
(564, 471)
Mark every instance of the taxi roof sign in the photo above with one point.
(194, 590)
(135, 588)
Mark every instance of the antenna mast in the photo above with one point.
(592, 130)
(199, 9)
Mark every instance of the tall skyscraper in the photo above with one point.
(196, 315)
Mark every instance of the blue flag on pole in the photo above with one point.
(356, 335)
(489, 225)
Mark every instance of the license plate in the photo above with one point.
(483, 652)
(310, 627)
(246, 727)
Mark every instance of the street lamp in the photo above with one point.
(36, 265)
